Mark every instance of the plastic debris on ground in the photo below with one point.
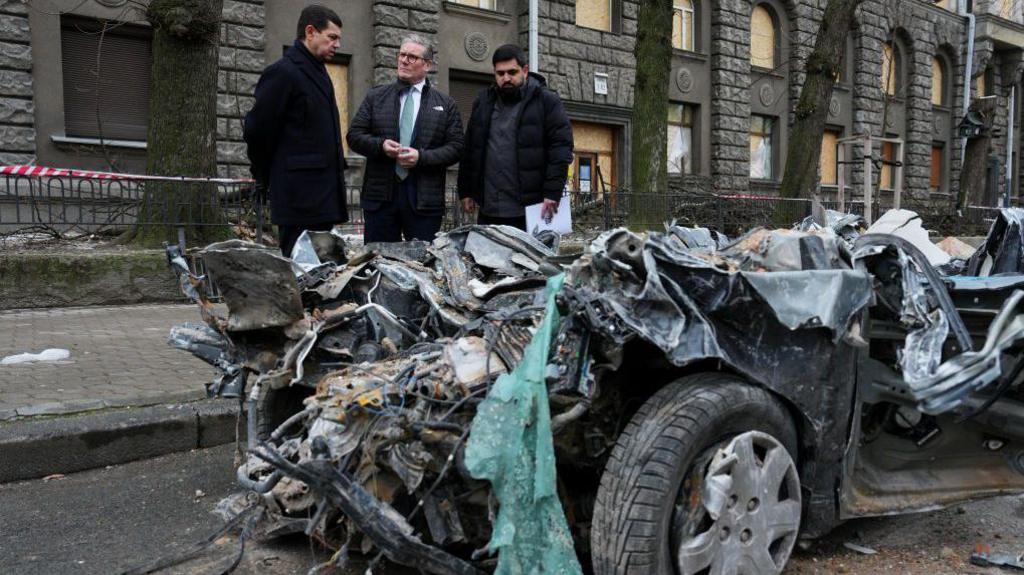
(47, 355)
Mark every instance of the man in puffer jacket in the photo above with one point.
(518, 145)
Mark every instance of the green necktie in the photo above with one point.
(405, 124)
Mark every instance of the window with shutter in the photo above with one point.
(464, 90)
(938, 168)
(106, 79)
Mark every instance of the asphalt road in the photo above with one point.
(114, 519)
(110, 520)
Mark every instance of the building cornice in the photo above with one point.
(478, 13)
(999, 30)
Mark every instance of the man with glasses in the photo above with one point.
(410, 132)
(293, 133)
(519, 145)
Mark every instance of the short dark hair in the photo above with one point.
(317, 16)
(509, 52)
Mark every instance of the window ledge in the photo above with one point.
(76, 141)
(480, 13)
(690, 54)
(609, 31)
(767, 72)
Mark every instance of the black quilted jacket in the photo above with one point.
(437, 135)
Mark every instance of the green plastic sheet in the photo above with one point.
(510, 445)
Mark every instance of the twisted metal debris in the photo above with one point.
(364, 370)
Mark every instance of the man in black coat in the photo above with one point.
(293, 133)
(519, 145)
(410, 132)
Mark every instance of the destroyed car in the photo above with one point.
(668, 402)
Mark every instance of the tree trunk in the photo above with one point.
(973, 175)
(648, 161)
(182, 137)
(803, 153)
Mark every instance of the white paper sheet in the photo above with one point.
(560, 223)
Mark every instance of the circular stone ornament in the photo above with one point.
(476, 46)
(834, 107)
(684, 80)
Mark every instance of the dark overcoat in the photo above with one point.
(293, 138)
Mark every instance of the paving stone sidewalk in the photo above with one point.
(119, 357)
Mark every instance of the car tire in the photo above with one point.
(273, 406)
(646, 517)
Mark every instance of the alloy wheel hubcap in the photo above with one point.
(746, 515)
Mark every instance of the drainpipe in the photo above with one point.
(534, 50)
(1009, 145)
(534, 55)
(968, 70)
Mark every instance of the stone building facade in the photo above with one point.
(736, 75)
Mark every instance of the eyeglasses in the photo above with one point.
(410, 58)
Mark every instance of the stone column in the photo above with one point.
(17, 109)
(242, 39)
(393, 19)
(917, 153)
(730, 95)
(867, 86)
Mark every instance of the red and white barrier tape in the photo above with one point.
(44, 172)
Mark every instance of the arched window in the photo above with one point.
(683, 25)
(892, 69)
(938, 82)
(763, 37)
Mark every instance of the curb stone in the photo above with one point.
(36, 448)
(77, 406)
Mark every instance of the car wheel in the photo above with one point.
(702, 480)
(273, 406)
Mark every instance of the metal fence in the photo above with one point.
(70, 204)
(61, 205)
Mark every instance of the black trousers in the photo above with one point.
(398, 219)
(514, 221)
(287, 235)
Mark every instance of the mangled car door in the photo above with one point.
(940, 416)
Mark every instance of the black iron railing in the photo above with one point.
(70, 204)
